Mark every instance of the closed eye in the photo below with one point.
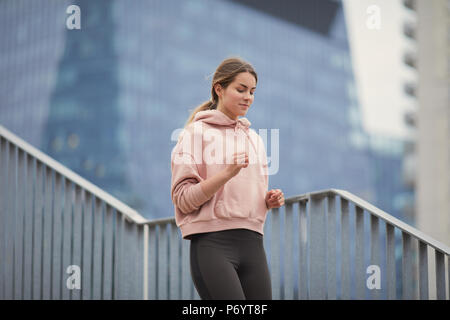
(244, 90)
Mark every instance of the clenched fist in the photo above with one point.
(274, 198)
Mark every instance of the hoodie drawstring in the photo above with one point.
(246, 131)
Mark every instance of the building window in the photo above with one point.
(410, 89)
(87, 164)
(410, 118)
(411, 4)
(410, 59)
(57, 144)
(409, 30)
(100, 170)
(73, 141)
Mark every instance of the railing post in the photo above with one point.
(77, 239)
(448, 275)
(375, 252)
(288, 254)
(153, 263)
(118, 229)
(108, 252)
(10, 224)
(47, 234)
(146, 245)
(423, 270)
(318, 249)
(162, 263)
(3, 204)
(186, 281)
(440, 275)
(139, 256)
(331, 247)
(275, 253)
(407, 267)
(97, 248)
(37, 233)
(174, 278)
(20, 226)
(345, 250)
(390, 262)
(360, 272)
(88, 240)
(303, 252)
(28, 236)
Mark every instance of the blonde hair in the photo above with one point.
(225, 74)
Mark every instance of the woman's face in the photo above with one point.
(237, 98)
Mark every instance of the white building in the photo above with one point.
(433, 119)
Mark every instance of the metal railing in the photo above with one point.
(325, 245)
(51, 219)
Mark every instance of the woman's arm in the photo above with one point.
(211, 185)
(189, 196)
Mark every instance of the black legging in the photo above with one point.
(230, 265)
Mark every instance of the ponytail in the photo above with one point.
(208, 105)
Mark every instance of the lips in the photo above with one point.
(244, 105)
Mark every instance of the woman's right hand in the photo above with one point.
(239, 161)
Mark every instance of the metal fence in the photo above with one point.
(63, 238)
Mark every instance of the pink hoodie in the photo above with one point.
(201, 152)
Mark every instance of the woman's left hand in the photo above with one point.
(274, 198)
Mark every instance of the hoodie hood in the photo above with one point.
(217, 117)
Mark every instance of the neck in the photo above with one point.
(228, 114)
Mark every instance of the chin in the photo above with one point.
(242, 112)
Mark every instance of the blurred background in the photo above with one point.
(359, 91)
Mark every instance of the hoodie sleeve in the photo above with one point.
(187, 194)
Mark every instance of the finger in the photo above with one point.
(241, 159)
(238, 155)
(277, 195)
(241, 156)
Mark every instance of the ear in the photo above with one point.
(218, 89)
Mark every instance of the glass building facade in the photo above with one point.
(107, 99)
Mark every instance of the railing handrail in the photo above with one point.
(377, 212)
(135, 217)
(362, 204)
(129, 213)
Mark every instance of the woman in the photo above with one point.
(219, 190)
